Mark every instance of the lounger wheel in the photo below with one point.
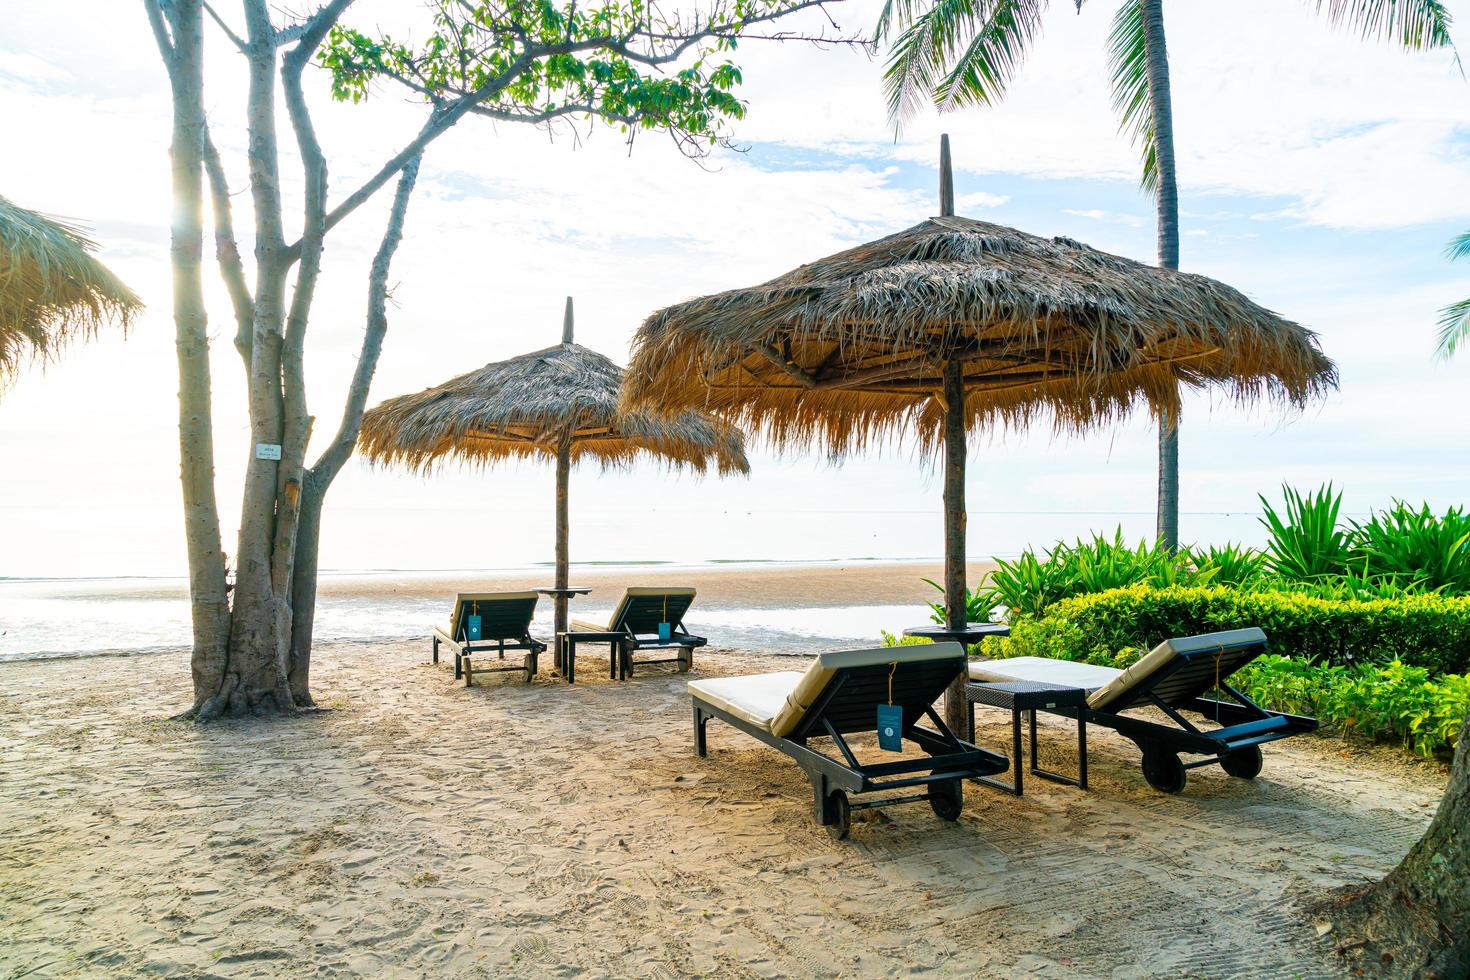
(948, 799)
(1162, 769)
(1243, 763)
(839, 815)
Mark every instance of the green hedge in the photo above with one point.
(1427, 631)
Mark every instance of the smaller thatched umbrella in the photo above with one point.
(560, 403)
(957, 323)
(51, 289)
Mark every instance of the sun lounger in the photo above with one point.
(1174, 677)
(839, 695)
(504, 624)
(636, 625)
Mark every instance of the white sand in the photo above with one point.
(420, 828)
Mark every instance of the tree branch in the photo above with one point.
(337, 453)
(440, 120)
(161, 35)
(235, 39)
(227, 249)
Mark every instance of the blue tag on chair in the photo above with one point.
(890, 727)
(472, 627)
(665, 631)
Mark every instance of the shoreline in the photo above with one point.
(799, 608)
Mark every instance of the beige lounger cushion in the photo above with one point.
(1044, 670)
(1167, 651)
(587, 626)
(754, 693)
(756, 698)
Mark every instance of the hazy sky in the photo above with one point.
(1321, 175)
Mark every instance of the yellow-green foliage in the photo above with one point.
(1429, 631)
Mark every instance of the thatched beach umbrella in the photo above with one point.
(957, 323)
(51, 289)
(560, 403)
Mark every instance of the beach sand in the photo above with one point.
(418, 828)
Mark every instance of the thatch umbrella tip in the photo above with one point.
(566, 323)
(946, 179)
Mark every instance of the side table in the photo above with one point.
(1029, 697)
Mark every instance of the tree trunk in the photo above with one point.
(208, 592)
(1416, 921)
(563, 554)
(319, 478)
(1157, 57)
(954, 525)
(303, 587)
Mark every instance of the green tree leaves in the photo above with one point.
(621, 62)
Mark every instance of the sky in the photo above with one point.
(1319, 174)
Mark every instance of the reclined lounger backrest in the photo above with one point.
(1179, 670)
(503, 615)
(846, 688)
(642, 609)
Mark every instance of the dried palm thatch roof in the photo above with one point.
(852, 347)
(51, 289)
(525, 406)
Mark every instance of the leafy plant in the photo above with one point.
(1418, 547)
(980, 605)
(1306, 542)
(1232, 564)
(1028, 585)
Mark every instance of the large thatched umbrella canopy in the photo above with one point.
(560, 403)
(955, 323)
(51, 288)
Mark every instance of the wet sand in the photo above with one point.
(420, 828)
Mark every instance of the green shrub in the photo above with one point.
(1029, 585)
(1389, 702)
(1428, 631)
(890, 640)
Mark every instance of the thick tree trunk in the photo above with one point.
(255, 676)
(563, 529)
(1157, 57)
(955, 613)
(1416, 921)
(208, 593)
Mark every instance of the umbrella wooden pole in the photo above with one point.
(563, 482)
(954, 525)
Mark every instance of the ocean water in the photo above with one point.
(743, 607)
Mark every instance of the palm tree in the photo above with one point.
(1454, 320)
(954, 53)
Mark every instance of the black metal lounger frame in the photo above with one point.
(624, 641)
(1179, 686)
(849, 704)
(517, 638)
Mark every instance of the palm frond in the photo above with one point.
(958, 52)
(1454, 327)
(1414, 24)
(1128, 72)
(1454, 320)
(981, 75)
